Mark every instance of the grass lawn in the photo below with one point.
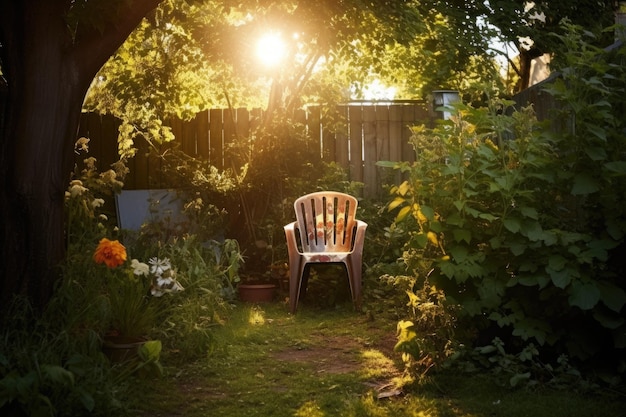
(335, 362)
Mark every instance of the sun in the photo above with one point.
(271, 49)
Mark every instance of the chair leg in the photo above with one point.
(354, 276)
(304, 281)
(296, 270)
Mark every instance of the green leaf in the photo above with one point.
(459, 253)
(612, 296)
(529, 212)
(528, 280)
(461, 235)
(151, 350)
(513, 225)
(86, 399)
(58, 374)
(421, 240)
(495, 242)
(455, 220)
(487, 216)
(428, 212)
(532, 328)
(584, 295)
(533, 231)
(597, 131)
(560, 278)
(557, 262)
(517, 378)
(618, 167)
(518, 248)
(596, 153)
(584, 184)
(472, 212)
(608, 321)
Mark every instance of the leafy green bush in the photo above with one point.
(53, 364)
(47, 369)
(521, 224)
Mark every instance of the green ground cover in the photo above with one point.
(335, 362)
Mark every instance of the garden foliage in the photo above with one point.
(522, 223)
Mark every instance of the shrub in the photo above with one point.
(522, 224)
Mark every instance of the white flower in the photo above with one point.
(139, 268)
(158, 266)
(90, 163)
(76, 190)
(164, 286)
(97, 202)
(82, 144)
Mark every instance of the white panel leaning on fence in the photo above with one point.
(325, 231)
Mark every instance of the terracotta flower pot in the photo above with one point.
(256, 293)
(121, 349)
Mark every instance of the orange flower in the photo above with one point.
(110, 252)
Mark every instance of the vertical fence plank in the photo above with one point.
(202, 134)
(140, 166)
(356, 142)
(313, 127)
(396, 127)
(369, 151)
(230, 133)
(106, 134)
(328, 117)
(190, 137)
(216, 141)
(408, 118)
(383, 146)
(243, 135)
(395, 132)
(342, 142)
(243, 123)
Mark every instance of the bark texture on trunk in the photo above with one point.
(48, 69)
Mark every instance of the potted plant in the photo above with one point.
(129, 290)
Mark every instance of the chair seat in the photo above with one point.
(325, 231)
(325, 257)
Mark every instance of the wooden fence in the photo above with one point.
(370, 132)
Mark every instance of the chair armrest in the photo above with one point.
(290, 235)
(359, 236)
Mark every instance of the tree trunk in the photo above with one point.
(48, 70)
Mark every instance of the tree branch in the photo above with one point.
(93, 47)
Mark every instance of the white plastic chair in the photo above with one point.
(325, 231)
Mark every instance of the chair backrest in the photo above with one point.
(326, 220)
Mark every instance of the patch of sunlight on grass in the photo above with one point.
(376, 364)
(309, 409)
(256, 316)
